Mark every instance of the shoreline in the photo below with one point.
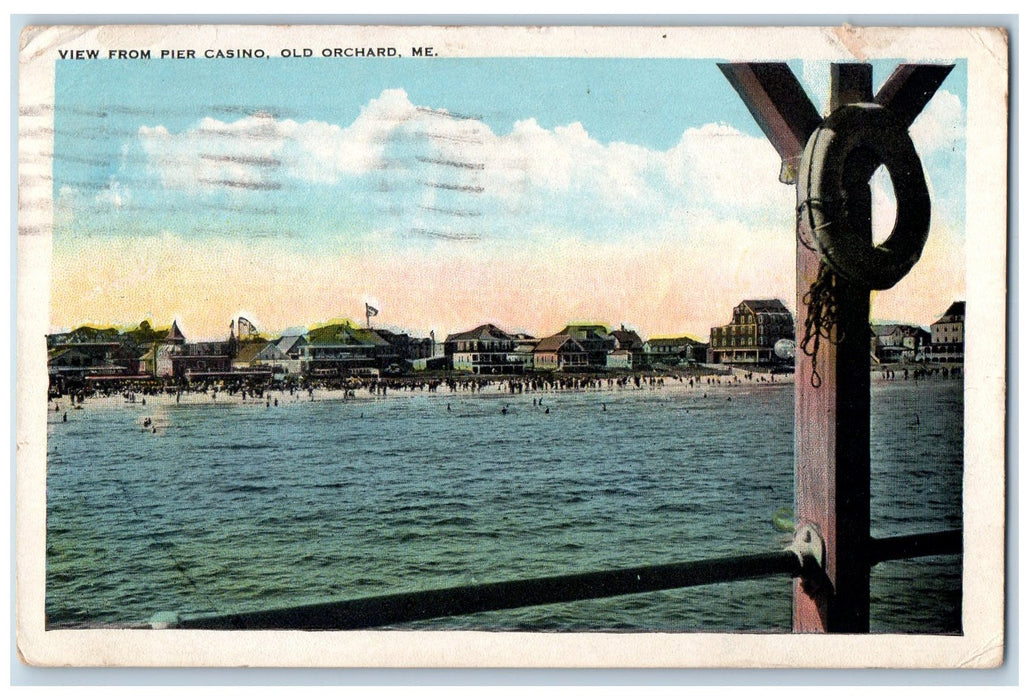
(388, 389)
(507, 387)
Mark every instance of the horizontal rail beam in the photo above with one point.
(910, 546)
(400, 608)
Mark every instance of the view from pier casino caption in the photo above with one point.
(235, 53)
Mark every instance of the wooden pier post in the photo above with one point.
(831, 422)
(832, 412)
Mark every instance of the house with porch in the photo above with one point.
(899, 343)
(560, 353)
(947, 335)
(342, 349)
(595, 340)
(750, 338)
(485, 349)
(672, 351)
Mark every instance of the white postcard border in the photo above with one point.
(981, 644)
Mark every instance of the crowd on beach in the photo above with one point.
(162, 393)
(169, 390)
(133, 390)
(916, 373)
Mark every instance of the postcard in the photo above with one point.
(400, 346)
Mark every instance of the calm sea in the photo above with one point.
(234, 507)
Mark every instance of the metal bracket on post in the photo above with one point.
(809, 547)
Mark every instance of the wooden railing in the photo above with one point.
(801, 561)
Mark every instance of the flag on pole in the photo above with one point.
(370, 310)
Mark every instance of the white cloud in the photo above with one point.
(215, 153)
(716, 165)
(113, 195)
(529, 177)
(565, 160)
(941, 125)
(260, 150)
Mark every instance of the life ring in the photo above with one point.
(840, 157)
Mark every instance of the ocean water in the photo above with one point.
(234, 507)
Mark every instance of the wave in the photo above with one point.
(248, 488)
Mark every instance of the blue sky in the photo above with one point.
(447, 192)
(615, 99)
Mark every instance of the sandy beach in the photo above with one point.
(391, 388)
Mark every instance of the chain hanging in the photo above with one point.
(820, 299)
(822, 318)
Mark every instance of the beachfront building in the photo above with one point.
(291, 345)
(483, 350)
(627, 340)
(342, 349)
(268, 358)
(673, 351)
(559, 353)
(201, 361)
(108, 353)
(947, 335)
(757, 324)
(89, 351)
(405, 348)
(283, 356)
(69, 362)
(84, 360)
(629, 351)
(246, 354)
(899, 343)
(166, 349)
(595, 340)
(525, 350)
(622, 359)
(154, 348)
